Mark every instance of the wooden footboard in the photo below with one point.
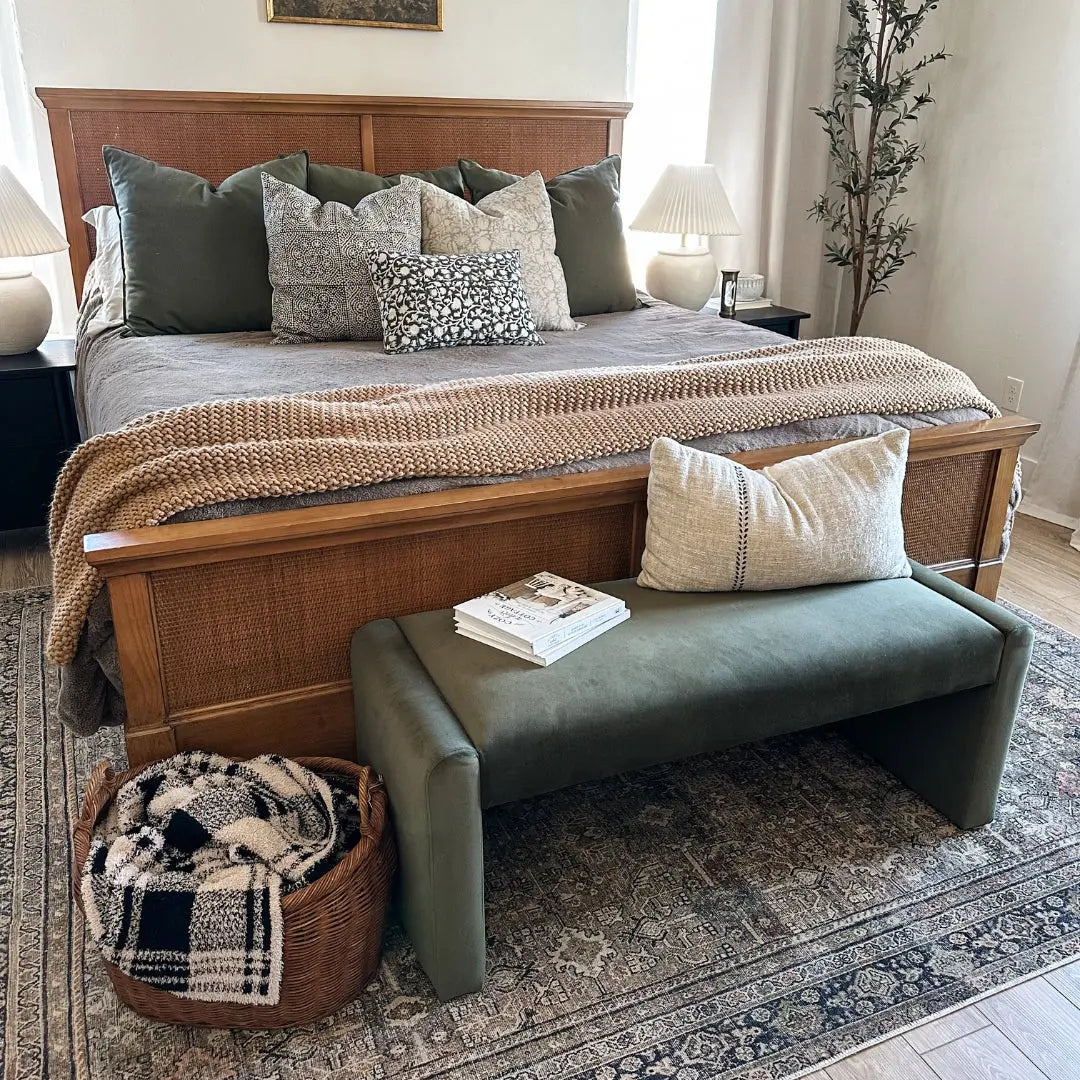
(233, 635)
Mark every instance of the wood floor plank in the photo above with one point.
(1066, 980)
(982, 1055)
(1042, 1023)
(887, 1061)
(936, 1033)
(24, 559)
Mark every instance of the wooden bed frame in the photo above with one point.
(233, 634)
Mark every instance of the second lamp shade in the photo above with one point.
(688, 199)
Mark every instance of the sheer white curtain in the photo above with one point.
(21, 124)
(773, 61)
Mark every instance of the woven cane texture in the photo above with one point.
(497, 426)
(234, 630)
(332, 927)
(409, 143)
(956, 488)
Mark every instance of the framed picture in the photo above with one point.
(395, 14)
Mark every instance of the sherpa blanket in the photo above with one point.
(183, 881)
(196, 455)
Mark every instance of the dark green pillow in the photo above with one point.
(336, 183)
(195, 256)
(588, 231)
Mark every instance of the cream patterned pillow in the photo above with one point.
(716, 526)
(517, 218)
(318, 259)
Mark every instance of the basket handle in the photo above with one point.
(99, 790)
(368, 783)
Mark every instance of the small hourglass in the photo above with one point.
(729, 287)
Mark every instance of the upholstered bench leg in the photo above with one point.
(951, 750)
(405, 730)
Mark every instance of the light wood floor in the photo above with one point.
(1028, 1032)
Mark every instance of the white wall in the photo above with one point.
(488, 48)
(995, 288)
(561, 49)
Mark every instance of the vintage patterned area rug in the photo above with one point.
(749, 914)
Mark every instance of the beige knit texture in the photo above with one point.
(201, 454)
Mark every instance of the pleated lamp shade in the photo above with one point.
(688, 199)
(24, 228)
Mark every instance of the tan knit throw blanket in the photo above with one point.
(201, 454)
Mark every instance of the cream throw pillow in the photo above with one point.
(716, 526)
(517, 218)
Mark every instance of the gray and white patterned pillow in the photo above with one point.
(318, 258)
(517, 218)
(435, 301)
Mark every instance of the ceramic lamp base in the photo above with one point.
(684, 277)
(25, 313)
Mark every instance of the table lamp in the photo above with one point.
(25, 231)
(688, 200)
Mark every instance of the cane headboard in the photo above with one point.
(214, 135)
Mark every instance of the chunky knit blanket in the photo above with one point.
(200, 454)
(183, 881)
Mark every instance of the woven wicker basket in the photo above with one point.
(332, 927)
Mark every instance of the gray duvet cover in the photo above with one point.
(122, 377)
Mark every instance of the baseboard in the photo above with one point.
(1029, 465)
(1040, 512)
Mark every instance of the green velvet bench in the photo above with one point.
(932, 672)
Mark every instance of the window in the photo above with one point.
(671, 66)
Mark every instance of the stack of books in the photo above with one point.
(540, 618)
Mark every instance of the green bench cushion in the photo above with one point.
(693, 672)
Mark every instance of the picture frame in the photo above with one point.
(388, 14)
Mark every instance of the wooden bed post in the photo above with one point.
(148, 736)
(991, 558)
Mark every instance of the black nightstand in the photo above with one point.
(38, 430)
(782, 320)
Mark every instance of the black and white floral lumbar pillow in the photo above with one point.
(434, 301)
(318, 258)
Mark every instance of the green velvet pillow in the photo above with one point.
(195, 256)
(588, 231)
(336, 183)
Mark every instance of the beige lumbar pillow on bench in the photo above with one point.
(716, 526)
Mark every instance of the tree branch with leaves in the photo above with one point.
(877, 96)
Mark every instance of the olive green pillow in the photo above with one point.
(195, 256)
(588, 231)
(336, 183)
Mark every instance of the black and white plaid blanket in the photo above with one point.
(183, 882)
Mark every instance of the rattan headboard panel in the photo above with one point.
(214, 135)
(407, 143)
(220, 144)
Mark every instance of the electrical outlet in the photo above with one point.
(1013, 389)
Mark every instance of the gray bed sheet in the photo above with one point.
(121, 378)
